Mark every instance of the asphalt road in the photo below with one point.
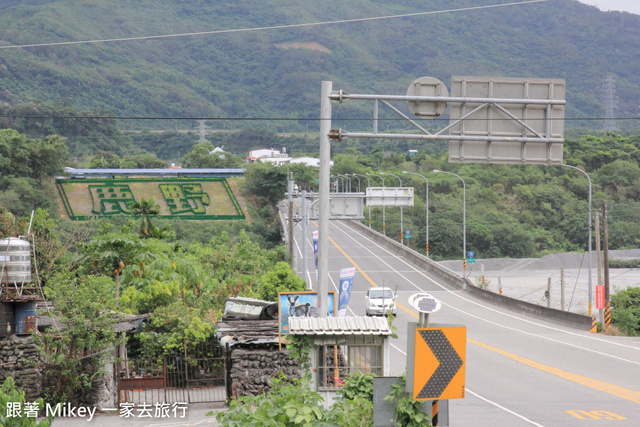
(520, 371)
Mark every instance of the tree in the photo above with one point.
(26, 166)
(204, 156)
(78, 347)
(145, 209)
(111, 253)
(281, 279)
(266, 182)
(106, 160)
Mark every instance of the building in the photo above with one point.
(268, 155)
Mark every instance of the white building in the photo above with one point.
(278, 158)
(268, 155)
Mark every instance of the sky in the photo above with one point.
(632, 6)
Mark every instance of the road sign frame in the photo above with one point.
(423, 363)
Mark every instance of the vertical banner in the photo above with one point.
(315, 251)
(346, 283)
(600, 304)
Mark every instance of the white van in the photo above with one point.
(379, 301)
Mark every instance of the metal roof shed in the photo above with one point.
(344, 345)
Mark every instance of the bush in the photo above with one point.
(13, 398)
(625, 311)
(289, 403)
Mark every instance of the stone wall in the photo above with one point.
(20, 359)
(252, 369)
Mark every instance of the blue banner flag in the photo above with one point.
(346, 283)
(315, 251)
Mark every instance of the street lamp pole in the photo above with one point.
(368, 185)
(401, 223)
(464, 219)
(426, 207)
(590, 283)
(384, 224)
(348, 180)
(354, 175)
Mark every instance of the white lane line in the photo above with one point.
(398, 348)
(495, 310)
(497, 405)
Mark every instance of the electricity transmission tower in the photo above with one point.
(202, 128)
(610, 105)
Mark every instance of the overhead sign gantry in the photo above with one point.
(495, 120)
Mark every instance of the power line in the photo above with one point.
(316, 119)
(273, 27)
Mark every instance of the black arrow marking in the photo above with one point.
(450, 363)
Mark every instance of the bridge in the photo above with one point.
(525, 364)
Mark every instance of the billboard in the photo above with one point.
(389, 196)
(301, 304)
(503, 120)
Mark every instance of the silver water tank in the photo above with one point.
(15, 261)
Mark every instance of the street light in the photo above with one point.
(589, 179)
(368, 185)
(384, 226)
(426, 207)
(401, 224)
(348, 181)
(464, 219)
(354, 175)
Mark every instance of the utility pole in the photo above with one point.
(305, 218)
(291, 239)
(548, 292)
(323, 196)
(599, 259)
(605, 238)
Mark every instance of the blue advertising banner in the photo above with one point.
(315, 248)
(301, 304)
(346, 283)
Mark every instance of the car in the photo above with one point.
(379, 301)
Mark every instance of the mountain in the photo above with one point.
(251, 68)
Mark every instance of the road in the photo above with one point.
(520, 370)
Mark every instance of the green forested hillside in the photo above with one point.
(277, 72)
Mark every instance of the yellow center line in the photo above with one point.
(374, 284)
(598, 385)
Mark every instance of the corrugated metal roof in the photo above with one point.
(248, 332)
(339, 326)
(155, 171)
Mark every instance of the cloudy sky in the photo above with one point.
(632, 6)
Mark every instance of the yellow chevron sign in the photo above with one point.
(439, 363)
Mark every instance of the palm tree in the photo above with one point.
(145, 209)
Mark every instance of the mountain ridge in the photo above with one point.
(250, 74)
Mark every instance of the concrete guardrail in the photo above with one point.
(456, 281)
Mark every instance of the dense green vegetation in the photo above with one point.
(625, 311)
(277, 73)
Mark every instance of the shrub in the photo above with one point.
(9, 396)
